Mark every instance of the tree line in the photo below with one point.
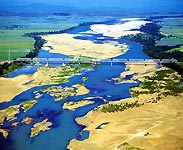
(151, 33)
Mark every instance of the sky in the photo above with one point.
(123, 4)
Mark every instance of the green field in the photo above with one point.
(170, 41)
(172, 29)
(176, 49)
(13, 28)
(12, 40)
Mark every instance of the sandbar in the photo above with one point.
(10, 87)
(73, 105)
(68, 45)
(120, 29)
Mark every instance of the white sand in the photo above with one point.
(120, 29)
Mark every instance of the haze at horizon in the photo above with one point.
(102, 5)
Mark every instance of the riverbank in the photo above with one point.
(10, 87)
(71, 45)
(137, 70)
(152, 126)
(153, 122)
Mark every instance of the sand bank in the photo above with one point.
(81, 89)
(139, 71)
(10, 87)
(66, 44)
(120, 29)
(73, 105)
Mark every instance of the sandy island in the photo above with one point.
(10, 114)
(68, 45)
(27, 120)
(138, 70)
(41, 126)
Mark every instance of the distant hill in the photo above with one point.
(40, 8)
(37, 8)
(5, 13)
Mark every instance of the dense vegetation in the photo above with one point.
(39, 42)
(9, 67)
(148, 39)
(108, 108)
(163, 82)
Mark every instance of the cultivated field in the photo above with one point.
(172, 28)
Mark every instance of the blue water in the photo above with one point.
(83, 135)
(31, 68)
(64, 126)
(100, 126)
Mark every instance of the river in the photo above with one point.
(64, 126)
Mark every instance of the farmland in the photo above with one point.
(13, 28)
(172, 29)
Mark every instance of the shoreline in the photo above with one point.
(140, 127)
(11, 87)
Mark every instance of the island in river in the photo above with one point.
(47, 102)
